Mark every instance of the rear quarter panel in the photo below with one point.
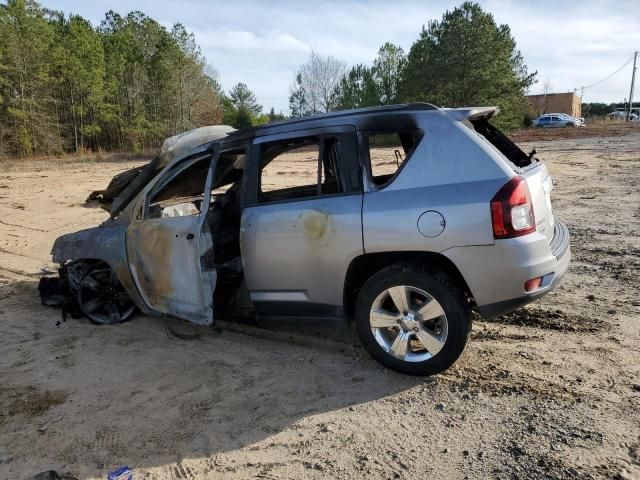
(452, 172)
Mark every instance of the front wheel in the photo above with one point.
(102, 298)
(413, 320)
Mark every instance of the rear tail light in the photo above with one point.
(512, 210)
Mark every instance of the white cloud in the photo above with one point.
(263, 43)
(269, 41)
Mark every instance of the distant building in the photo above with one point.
(569, 103)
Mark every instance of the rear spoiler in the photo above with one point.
(472, 113)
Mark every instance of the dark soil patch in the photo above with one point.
(545, 431)
(485, 334)
(550, 320)
(29, 401)
(495, 381)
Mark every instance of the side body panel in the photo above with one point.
(390, 218)
(300, 251)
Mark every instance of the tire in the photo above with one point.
(102, 298)
(450, 329)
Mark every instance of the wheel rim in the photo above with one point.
(408, 323)
(102, 298)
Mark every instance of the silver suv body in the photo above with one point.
(402, 217)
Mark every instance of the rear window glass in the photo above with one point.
(500, 141)
(388, 151)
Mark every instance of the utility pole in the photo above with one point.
(633, 80)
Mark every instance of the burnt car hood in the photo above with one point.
(126, 185)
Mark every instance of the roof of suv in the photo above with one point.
(327, 118)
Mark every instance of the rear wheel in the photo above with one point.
(102, 298)
(412, 319)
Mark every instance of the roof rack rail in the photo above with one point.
(417, 106)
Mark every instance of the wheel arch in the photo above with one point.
(106, 244)
(364, 266)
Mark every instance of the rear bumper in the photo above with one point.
(562, 251)
(496, 274)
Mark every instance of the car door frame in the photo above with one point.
(171, 282)
(293, 302)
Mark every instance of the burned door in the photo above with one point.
(169, 241)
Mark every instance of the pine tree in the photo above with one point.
(28, 103)
(467, 59)
(298, 105)
(83, 73)
(242, 97)
(357, 88)
(364, 86)
(387, 72)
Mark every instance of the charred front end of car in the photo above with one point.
(94, 278)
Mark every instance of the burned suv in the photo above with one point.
(403, 218)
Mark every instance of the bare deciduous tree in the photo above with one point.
(315, 84)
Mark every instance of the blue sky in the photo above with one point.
(569, 43)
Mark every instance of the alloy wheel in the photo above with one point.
(102, 298)
(408, 323)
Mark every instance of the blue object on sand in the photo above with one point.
(122, 473)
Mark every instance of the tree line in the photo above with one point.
(598, 109)
(129, 82)
(66, 86)
(464, 59)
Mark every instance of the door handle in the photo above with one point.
(190, 236)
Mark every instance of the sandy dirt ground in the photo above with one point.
(550, 391)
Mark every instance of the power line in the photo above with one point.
(609, 76)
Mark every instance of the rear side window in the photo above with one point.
(388, 152)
